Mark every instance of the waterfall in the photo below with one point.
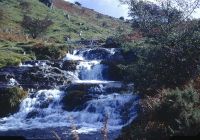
(44, 109)
(90, 70)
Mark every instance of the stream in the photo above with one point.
(45, 111)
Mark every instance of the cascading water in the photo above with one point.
(43, 109)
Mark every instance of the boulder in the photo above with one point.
(75, 100)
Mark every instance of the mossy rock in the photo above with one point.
(47, 51)
(10, 99)
(75, 100)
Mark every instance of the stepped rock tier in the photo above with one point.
(80, 90)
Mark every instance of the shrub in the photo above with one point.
(105, 24)
(77, 3)
(121, 18)
(35, 27)
(26, 6)
(158, 67)
(180, 111)
(47, 2)
(176, 113)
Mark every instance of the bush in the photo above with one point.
(25, 6)
(180, 111)
(77, 3)
(35, 27)
(121, 18)
(176, 113)
(47, 2)
(159, 67)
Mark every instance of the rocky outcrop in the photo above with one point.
(37, 77)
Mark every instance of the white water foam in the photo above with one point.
(43, 109)
(90, 70)
(73, 56)
(50, 114)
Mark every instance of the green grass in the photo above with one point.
(91, 26)
(11, 58)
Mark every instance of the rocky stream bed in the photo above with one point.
(72, 95)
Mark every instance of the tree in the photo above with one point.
(161, 18)
(121, 18)
(47, 2)
(77, 3)
(35, 27)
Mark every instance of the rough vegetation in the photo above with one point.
(164, 66)
(10, 99)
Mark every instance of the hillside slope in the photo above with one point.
(68, 20)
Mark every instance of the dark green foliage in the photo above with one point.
(77, 3)
(47, 2)
(177, 114)
(162, 67)
(180, 110)
(121, 18)
(25, 6)
(10, 99)
(153, 20)
(35, 27)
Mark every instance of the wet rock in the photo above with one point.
(46, 77)
(69, 65)
(32, 114)
(81, 87)
(97, 53)
(37, 75)
(74, 100)
(110, 55)
(10, 99)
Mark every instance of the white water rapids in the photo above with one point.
(43, 109)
